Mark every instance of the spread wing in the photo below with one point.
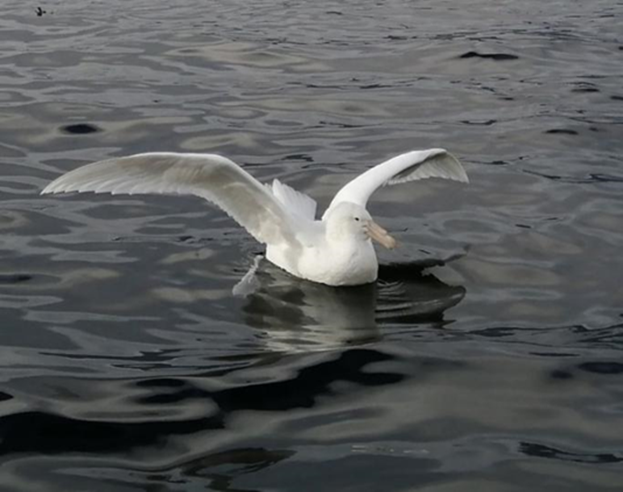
(210, 176)
(414, 165)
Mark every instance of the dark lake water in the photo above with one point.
(127, 364)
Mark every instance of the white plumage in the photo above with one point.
(297, 203)
(336, 250)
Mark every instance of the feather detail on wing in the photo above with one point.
(294, 201)
(418, 164)
(212, 177)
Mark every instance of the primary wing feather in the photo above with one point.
(213, 177)
(418, 164)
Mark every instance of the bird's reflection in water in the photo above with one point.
(187, 405)
(296, 315)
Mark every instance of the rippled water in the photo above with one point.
(126, 362)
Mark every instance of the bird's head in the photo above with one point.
(349, 220)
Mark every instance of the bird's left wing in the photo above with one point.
(417, 164)
(210, 176)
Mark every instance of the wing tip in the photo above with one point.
(50, 189)
(456, 171)
(55, 188)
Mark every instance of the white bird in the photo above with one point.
(336, 250)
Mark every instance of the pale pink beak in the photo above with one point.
(380, 235)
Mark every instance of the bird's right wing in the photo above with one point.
(210, 176)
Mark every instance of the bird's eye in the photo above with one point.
(357, 219)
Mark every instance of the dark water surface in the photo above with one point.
(128, 365)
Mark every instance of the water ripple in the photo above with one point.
(487, 355)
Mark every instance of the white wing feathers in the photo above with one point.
(209, 176)
(271, 214)
(294, 201)
(418, 164)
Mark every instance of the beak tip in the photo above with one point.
(380, 235)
